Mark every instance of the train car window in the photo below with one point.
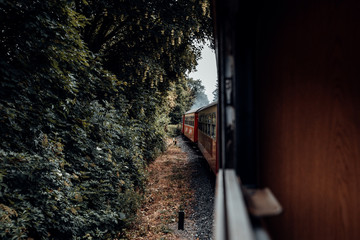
(204, 124)
(189, 120)
(213, 133)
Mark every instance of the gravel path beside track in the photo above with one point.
(178, 179)
(202, 182)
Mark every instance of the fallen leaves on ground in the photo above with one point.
(167, 192)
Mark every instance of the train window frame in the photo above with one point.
(190, 120)
(213, 135)
(213, 126)
(237, 129)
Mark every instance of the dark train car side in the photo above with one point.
(289, 114)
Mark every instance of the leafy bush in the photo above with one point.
(75, 137)
(70, 165)
(174, 130)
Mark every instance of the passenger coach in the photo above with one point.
(200, 127)
(190, 125)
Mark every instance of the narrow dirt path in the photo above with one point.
(170, 188)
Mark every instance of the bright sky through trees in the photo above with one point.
(206, 71)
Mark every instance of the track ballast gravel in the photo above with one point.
(203, 183)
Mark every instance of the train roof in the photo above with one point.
(207, 106)
(196, 110)
(192, 111)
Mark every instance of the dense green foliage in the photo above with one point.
(86, 90)
(198, 92)
(183, 96)
(189, 94)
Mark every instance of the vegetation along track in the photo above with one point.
(178, 180)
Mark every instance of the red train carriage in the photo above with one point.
(190, 125)
(200, 126)
(207, 134)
